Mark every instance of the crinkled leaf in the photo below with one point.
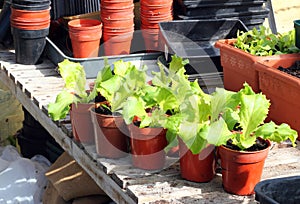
(74, 76)
(166, 99)
(218, 133)
(221, 101)
(61, 107)
(133, 107)
(121, 67)
(176, 64)
(277, 133)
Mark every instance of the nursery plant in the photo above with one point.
(243, 155)
(146, 108)
(76, 99)
(74, 90)
(262, 42)
(239, 56)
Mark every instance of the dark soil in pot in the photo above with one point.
(293, 70)
(259, 145)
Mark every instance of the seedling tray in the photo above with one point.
(195, 39)
(93, 65)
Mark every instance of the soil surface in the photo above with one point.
(293, 70)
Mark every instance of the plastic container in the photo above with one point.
(194, 40)
(29, 45)
(297, 33)
(278, 190)
(93, 65)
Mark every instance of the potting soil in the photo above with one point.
(293, 70)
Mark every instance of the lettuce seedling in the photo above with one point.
(261, 42)
(74, 90)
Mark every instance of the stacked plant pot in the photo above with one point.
(30, 22)
(117, 17)
(251, 12)
(152, 12)
(85, 35)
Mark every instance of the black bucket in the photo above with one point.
(29, 44)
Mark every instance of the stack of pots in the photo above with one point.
(152, 13)
(30, 22)
(117, 17)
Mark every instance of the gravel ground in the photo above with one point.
(285, 12)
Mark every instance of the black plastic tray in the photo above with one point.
(194, 40)
(93, 65)
(207, 81)
(205, 3)
(278, 190)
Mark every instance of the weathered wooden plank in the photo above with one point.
(46, 81)
(182, 191)
(102, 179)
(33, 73)
(13, 66)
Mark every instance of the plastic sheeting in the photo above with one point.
(22, 180)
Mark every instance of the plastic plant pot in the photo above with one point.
(297, 32)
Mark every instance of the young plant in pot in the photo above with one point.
(146, 111)
(198, 127)
(76, 99)
(110, 129)
(239, 56)
(242, 156)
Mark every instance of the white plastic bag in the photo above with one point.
(22, 180)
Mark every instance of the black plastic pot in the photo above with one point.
(31, 7)
(194, 40)
(29, 44)
(279, 190)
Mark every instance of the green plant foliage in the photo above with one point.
(252, 112)
(74, 90)
(262, 42)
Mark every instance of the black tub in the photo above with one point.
(279, 190)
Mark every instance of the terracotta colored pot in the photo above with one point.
(281, 89)
(30, 25)
(118, 22)
(240, 66)
(85, 37)
(147, 147)
(151, 40)
(110, 135)
(30, 20)
(117, 9)
(241, 170)
(156, 10)
(16, 13)
(155, 2)
(117, 3)
(197, 167)
(117, 43)
(82, 123)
